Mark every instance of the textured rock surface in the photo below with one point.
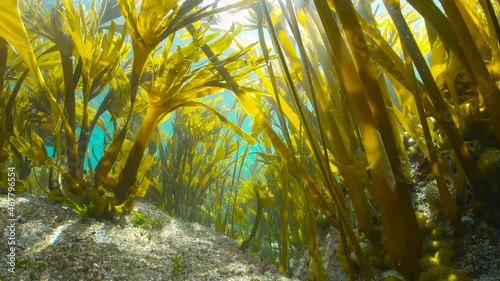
(52, 243)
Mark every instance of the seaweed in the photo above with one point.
(271, 131)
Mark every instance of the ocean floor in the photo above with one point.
(53, 243)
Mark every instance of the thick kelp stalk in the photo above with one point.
(337, 133)
(326, 137)
(141, 49)
(100, 56)
(400, 227)
(443, 115)
(147, 30)
(65, 46)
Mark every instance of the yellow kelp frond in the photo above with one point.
(266, 197)
(13, 30)
(35, 149)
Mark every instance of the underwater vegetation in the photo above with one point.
(264, 119)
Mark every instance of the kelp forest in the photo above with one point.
(265, 120)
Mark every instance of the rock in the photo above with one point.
(468, 221)
(392, 275)
(432, 197)
(489, 165)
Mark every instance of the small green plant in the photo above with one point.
(139, 219)
(84, 211)
(177, 266)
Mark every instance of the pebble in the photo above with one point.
(468, 221)
(392, 275)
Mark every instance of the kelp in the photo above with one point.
(99, 54)
(145, 36)
(450, 206)
(194, 159)
(264, 200)
(174, 87)
(465, 29)
(14, 32)
(390, 190)
(443, 115)
(332, 91)
(314, 146)
(251, 107)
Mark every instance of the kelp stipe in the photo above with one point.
(389, 187)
